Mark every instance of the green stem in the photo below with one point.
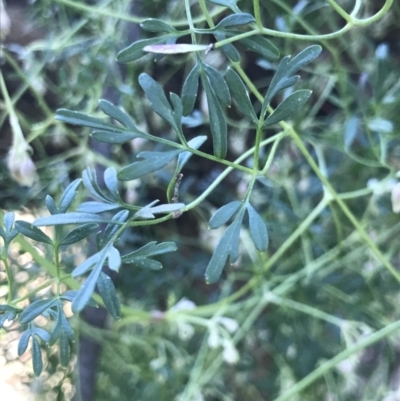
(257, 14)
(340, 202)
(330, 364)
(10, 281)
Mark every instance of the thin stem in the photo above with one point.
(330, 364)
(10, 280)
(257, 14)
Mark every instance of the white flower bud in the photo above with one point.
(185, 331)
(184, 304)
(5, 22)
(214, 339)
(230, 353)
(230, 324)
(21, 165)
(396, 198)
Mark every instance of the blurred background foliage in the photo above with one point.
(61, 53)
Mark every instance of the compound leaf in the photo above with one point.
(262, 46)
(223, 214)
(288, 107)
(35, 309)
(156, 25)
(79, 233)
(218, 85)
(240, 94)
(158, 101)
(37, 362)
(115, 137)
(218, 124)
(117, 114)
(70, 218)
(153, 161)
(97, 207)
(135, 50)
(30, 231)
(77, 118)
(109, 295)
(235, 20)
(150, 249)
(258, 229)
(190, 89)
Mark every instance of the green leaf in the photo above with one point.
(218, 85)
(240, 94)
(69, 195)
(114, 137)
(117, 114)
(144, 263)
(190, 89)
(7, 313)
(158, 101)
(227, 3)
(79, 233)
(41, 333)
(97, 207)
(235, 20)
(51, 205)
(114, 258)
(8, 219)
(109, 295)
(218, 124)
(90, 182)
(30, 231)
(148, 212)
(177, 114)
(150, 249)
(87, 264)
(70, 218)
(228, 245)
(303, 58)
(35, 309)
(229, 49)
(111, 182)
(153, 161)
(224, 214)
(292, 104)
(64, 350)
(262, 46)
(156, 25)
(76, 118)
(283, 77)
(24, 341)
(135, 50)
(85, 292)
(70, 295)
(114, 225)
(258, 229)
(37, 362)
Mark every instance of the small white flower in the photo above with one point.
(184, 304)
(19, 162)
(230, 324)
(214, 339)
(230, 353)
(157, 363)
(21, 166)
(396, 198)
(5, 22)
(185, 331)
